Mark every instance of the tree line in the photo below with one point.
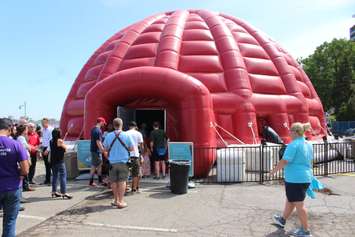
(331, 69)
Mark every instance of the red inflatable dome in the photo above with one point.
(205, 69)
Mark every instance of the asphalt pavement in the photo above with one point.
(208, 210)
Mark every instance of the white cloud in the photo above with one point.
(305, 43)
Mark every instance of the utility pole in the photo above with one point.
(24, 106)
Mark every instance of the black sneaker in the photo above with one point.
(279, 221)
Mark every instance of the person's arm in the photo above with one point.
(140, 142)
(22, 159)
(46, 152)
(151, 145)
(130, 143)
(166, 136)
(167, 139)
(105, 146)
(24, 143)
(100, 146)
(60, 143)
(280, 165)
(28, 146)
(24, 168)
(288, 156)
(141, 146)
(98, 138)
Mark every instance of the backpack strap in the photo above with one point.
(111, 145)
(122, 143)
(117, 137)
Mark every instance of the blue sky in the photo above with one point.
(44, 44)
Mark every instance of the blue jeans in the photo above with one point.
(10, 203)
(59, 170)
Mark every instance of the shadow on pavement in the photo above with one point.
(160, 191)
(100, 196)
(41, 199)
(277, 233)
(166, 194)
(86, 210)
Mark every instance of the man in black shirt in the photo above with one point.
(96, 149)
(158, 146)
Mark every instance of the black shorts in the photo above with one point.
(296, 192)
(157, 156)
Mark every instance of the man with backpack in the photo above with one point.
(118, 145)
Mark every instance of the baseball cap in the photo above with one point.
(101, 120)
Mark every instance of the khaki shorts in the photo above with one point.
(118, 172)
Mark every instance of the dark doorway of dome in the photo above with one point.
(149, 116)
(142, 116)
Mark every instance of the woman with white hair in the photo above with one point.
(297, 164)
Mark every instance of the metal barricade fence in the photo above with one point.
(252, 163)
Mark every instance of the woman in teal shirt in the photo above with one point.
(297, 164)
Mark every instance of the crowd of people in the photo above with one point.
(21, 145)
(115, 154)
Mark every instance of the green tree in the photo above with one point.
(331, 69)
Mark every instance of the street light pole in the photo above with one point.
(24, 106)
(25, 109)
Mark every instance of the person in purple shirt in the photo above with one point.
(13, 167)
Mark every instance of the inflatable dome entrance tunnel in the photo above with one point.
(213, 74)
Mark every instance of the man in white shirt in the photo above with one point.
(137, 139)
(46, 137)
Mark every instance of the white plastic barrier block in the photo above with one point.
(253, 159)
(230, 165)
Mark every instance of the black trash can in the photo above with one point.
(179, 176)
